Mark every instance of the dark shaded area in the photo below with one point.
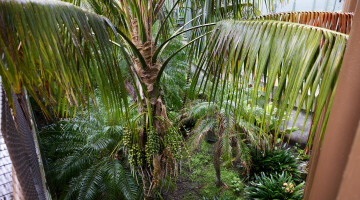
(20, 143)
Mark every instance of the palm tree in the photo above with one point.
(61, 53)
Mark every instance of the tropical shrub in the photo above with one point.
(219, 124)
(274, 161)
(274, 186)
(83, 160)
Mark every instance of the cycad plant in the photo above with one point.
(232, 138)
(84, 160)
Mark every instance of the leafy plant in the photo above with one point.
(61, 54)
(274, 186)
(301, 153)
(229, 144)
(84, 161)
(237, 185)
(173, 82)
(301, 60)
(232, 137)
(274, 161)
(201, 173)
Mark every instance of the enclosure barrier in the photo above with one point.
(340, 22)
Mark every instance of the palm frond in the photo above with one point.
(55, 51)
(217, 10)
(202, 109)
(287, 59)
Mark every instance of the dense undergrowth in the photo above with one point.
(83, 161)
(275, 180)
(86, 157)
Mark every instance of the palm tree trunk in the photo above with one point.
(218, 151)
(148, 76)
(147, 183)
(217, 155)
(188, 76)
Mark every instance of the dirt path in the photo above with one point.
(184, 189)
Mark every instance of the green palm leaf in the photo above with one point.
(295, 59)
(59, 53)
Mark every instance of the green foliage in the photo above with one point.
(241, 128)
(215, 10)
(274, 161)
(243, 53)
(218, 198)
(237, 185)
(84, 161)
(173, 82)
(60, 47)
(274, 186)
(301, 152)
(208, 117)
(201, 172)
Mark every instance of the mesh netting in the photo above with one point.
(20, 144)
